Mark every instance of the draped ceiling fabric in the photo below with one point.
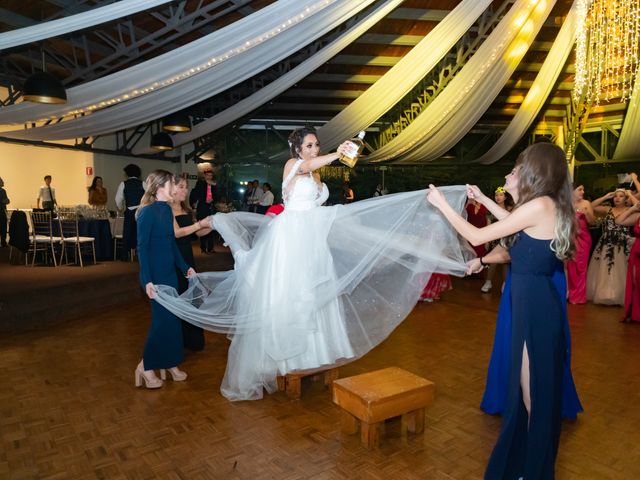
(62, 26)
(278, 86)
(539, 91)
(240, 64)
(405, 75)
(458, 107)
(628, 147)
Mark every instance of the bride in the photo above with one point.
(316, 285)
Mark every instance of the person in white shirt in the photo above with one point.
(47, 195)
(266, 200)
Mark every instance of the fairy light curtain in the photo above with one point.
(459, 106)
(539, 91)
(402, 77)
(72, 23)
(278, 86)
(607, 50)
(191, 73)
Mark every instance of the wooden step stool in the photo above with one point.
(372, 398)
(292, 382)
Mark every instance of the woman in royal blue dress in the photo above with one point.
(539, 234)
(495, 392)
(159, 256)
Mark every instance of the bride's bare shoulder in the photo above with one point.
(288, 166)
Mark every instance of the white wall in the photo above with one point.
(23, 167)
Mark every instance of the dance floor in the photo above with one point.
(69, 409)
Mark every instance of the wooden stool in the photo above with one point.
(292, 382)
(372, 398)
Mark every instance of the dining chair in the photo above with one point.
(43, 238)
(69, 228)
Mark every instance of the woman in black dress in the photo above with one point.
(184, 228)
(158, 256)
(539, 233)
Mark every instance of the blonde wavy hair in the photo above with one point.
(544, 172)
(155, 180)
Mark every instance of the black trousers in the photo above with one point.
(3, 226)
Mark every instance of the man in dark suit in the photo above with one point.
(203, 198)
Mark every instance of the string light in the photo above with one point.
(242, 47)
(606, 50)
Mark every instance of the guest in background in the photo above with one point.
(4, 201)
(478, 216)
(184, 228)
(97, 193)
(275, 210)
(159, 257)
(631, 218)
(128, 198)
(266, 200)
(203, 198)
(347, 193)
(437, 284)
(255, 196)
(578, 265)
(607, 271)
(503, 200)
(47, 194)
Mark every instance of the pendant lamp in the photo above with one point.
(161, 141)
(177, 122)
(42, 87)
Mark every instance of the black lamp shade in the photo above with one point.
(161, 141)
(177, 122)
(42, 87)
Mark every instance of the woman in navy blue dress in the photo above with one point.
(539, 235)
(159, 257)
(495, 392)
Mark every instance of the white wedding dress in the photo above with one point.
(316, 285)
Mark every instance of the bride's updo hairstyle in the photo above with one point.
(154, 181)
(544, 172)
(297, 137)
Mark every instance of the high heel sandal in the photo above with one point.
(140, 377)
(176, 374)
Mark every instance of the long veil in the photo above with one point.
(334, 281)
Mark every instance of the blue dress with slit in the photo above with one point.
(495, 392)
(527, 446)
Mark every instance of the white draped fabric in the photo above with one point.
(458, 107)
(539, 91)
(236, 63)
(62, 26)
(404, 75)
(278, 86)
(628, 147)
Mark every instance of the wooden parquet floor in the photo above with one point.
(69, 410)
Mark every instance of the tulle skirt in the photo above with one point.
(318, 286)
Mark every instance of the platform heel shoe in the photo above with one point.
(177, 375)
(149, 382)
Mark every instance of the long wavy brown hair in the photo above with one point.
(154, 181)
(544, 172)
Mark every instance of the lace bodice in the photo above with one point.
(303, 192)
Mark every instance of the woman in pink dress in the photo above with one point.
(577, 267)
(631, 217)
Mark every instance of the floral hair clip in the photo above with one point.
(500, 190)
